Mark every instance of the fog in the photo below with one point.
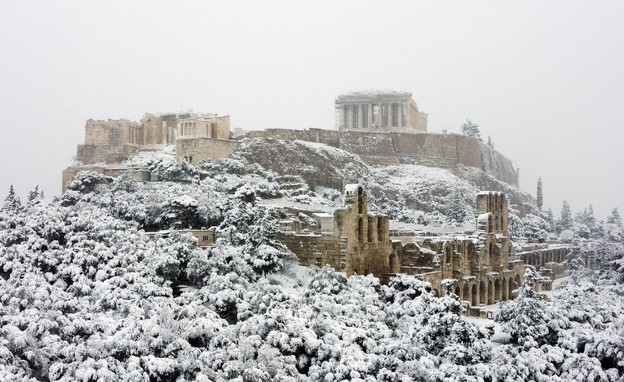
(545, 80)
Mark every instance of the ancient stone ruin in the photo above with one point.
(479, 267)
(108, 144)
(381, 111)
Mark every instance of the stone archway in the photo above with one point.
(510, 288)
(458, 291)
(505, 289)
(474, 295)
(482, 293)
(498, 291)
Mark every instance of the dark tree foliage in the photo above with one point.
(565, 222)
(471, 129)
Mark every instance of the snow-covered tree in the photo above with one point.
(456, 207)
(173, 170)
(490, 143)
(565, 222)
(470, 129)
(550, 218)
(528, 319)
(615, 218)
(34, 195)
(12, 202)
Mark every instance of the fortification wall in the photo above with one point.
(195, 150)
(328, 137)
(427, 149)
(92, 154)
(313, 249)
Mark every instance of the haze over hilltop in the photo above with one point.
(542, 79)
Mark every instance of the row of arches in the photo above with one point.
(541, 258)
(487, 292)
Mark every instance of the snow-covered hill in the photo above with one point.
(88, 294)
(406, 192)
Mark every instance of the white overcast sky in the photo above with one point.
(544, 79)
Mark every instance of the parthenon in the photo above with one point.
(386, 111)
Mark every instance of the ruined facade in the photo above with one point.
(109, 143)
(478, 268)
(351, 239)
(385, 111)
(115, 140)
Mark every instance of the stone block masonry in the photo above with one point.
(194, 150)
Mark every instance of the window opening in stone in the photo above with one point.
(361, 238)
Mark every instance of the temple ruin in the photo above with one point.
(109, 144)
(376, 110)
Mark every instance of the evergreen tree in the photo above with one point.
(586, 224)
(550, 217)
(615, 218)
(591, 219)
(456, 207)
(490, 143)
(540, 197)
(527, 318)
(471, 129)
(12, 201)
(34, 195)
(565, 222)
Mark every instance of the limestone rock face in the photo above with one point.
(377, 148)
(318, 164)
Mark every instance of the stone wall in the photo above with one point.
(328, 137)
(427, 149)
(314, 249)
(358, 244)
(93, 154)
(540, 258)
(195, 150)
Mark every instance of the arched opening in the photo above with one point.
(360, 200)
(474, 295)
(505, 289)
(393, 263)
(482, 294)
(381, 232)
(498, 291)
(458, 291)
(361, 230)
(490, 294)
